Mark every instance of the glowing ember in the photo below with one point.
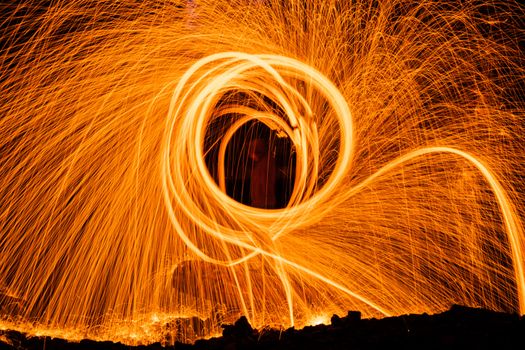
(319, 319)
(167, 167)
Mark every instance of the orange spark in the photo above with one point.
(395, 128)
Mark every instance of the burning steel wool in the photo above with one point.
(167, 166)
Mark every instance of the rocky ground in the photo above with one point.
(458, 328)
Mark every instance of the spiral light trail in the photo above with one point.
(392, 155)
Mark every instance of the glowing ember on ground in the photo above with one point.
(320, 319)
(388, 138)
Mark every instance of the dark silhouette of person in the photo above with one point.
(262, 175)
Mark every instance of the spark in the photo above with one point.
(395, 131)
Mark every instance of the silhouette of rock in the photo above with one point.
(459, 327)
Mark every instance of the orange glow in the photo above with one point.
(319, 319)
(395, 131)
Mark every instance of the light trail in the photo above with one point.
(124, 161)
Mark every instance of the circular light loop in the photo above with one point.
(198, 205)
